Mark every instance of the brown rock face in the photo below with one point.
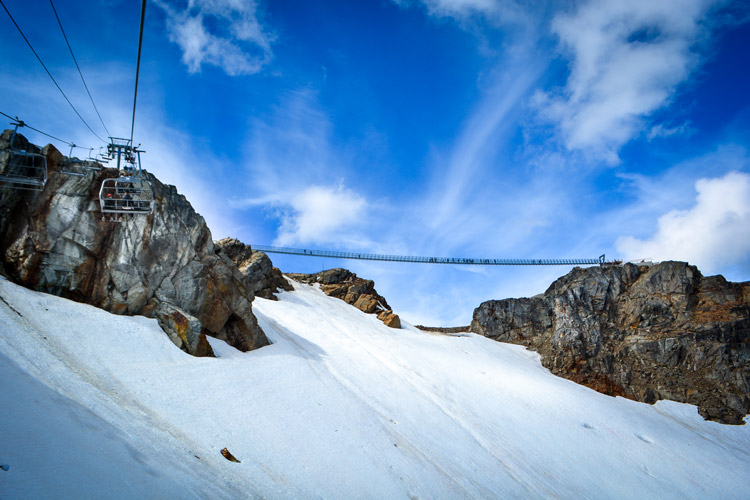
(391, 320)
(260, 276)
(361, 293)
(155, 265)
(647, 333)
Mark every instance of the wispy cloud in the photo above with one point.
(290, 149)
(626, 59)
(223, 33)
(664, 130)
(713, 234)
(497, 12)
(462, 8)
(321, 215)
(297, 176)
(476, 185)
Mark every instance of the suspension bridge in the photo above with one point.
(430, 260)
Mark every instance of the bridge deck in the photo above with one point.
(429, 260)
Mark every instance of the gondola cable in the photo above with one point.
(131, 193)
(15, 119)
(48, 72)
(78, 68)
(137, 68)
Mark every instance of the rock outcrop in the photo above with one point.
(453, 330)
(361, 293)
(260, 276)
(162, 265)
(643, 332)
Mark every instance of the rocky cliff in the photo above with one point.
(360, 293)
(643, 332)
(259, 275)
(162, 265)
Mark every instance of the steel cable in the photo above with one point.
(78, 68)
(24, 124)
(137, 68)
(48, 72)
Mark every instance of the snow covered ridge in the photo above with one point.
(339, 406)
(353, 290)
(662, 331)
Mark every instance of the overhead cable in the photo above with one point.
(137, 67)
(24, 124)
(78, 68)
(48, 72)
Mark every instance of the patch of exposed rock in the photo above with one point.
(643, 332)
(360, 293)
(161, 265)
(453, 330)
(260, 277)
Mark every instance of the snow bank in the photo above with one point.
(340, 406)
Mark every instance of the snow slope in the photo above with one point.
(340, 406)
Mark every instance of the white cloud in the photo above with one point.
(224, 33)
(627, 57)
(321, 214)
(714, 234)
(505, 12)
(461, 7)
(662, 130)
(296, 175)
(290, 149)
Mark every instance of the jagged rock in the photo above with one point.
(644, 332)
(390, 319)
(260, 276)
(184, 330)
(441, 329)
(56, 241)
(345, 285)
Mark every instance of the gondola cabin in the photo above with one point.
(23, 170)
(126, 195)
(20, 168)
(77, 167)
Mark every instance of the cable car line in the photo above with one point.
(15, 119)
(131, 193)
(78, 68)
(48, 72)
(137, 67)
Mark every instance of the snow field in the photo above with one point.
(340, 406)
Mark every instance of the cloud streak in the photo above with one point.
(497, 12)
(297, 176)
(626, 59)
(222, 33)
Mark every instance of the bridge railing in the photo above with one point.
(428, 260)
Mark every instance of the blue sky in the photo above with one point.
(461, 128)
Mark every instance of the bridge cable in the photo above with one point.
(430, 260)
(78, 68)
(48, 72)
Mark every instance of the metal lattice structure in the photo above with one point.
(430, 260)
(131, 193)
(20, 168)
